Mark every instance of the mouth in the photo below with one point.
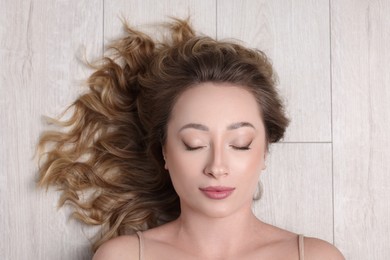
(217, 192)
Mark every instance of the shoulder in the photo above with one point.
(315, 248)
(122, 247)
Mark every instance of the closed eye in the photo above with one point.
(192, 148)
(241, 148)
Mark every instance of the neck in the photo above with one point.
(214, 237)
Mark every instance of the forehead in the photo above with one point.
(216, 104)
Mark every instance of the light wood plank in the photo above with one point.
(39, 73)
(298, 189)
(146, 14)
(295, 35)
(361, 127)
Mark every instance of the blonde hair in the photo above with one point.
(111, 147)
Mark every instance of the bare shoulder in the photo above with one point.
(319, 249)
(122, 247)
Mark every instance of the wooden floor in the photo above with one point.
(329, 178)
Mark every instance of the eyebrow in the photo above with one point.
(205, 128)
(195, 126)
(240, 124)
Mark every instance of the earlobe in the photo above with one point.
(263, 166)
(165, 159)
(265, 158)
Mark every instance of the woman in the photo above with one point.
(169, 143)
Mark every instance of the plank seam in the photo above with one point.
(331, 117)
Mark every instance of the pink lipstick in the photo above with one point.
(217, 192)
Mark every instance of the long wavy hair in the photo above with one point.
(107, 157)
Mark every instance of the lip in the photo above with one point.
(217, 192)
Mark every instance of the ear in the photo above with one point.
(264, 166)
(164, 153)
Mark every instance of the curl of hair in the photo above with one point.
(112, 145)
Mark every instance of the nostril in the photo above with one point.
(216, 171)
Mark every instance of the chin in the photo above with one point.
(216, 211)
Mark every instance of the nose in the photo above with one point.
(217, 164)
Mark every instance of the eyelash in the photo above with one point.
(240, 148)
(189, 148)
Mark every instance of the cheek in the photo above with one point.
(252, 172)
(249, 169)
(183, 161)
(251, 164)
(183, 168)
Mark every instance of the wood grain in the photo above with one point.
(295, 35)
(39, 72)
(361, 126)
(146, 14)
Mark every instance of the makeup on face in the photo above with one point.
(239, 136)
(217, 192)
(215, 148)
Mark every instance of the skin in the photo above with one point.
(216, 137)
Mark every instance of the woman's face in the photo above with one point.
(215, 148)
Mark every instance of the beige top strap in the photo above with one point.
(141, 245)
(301, 247)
